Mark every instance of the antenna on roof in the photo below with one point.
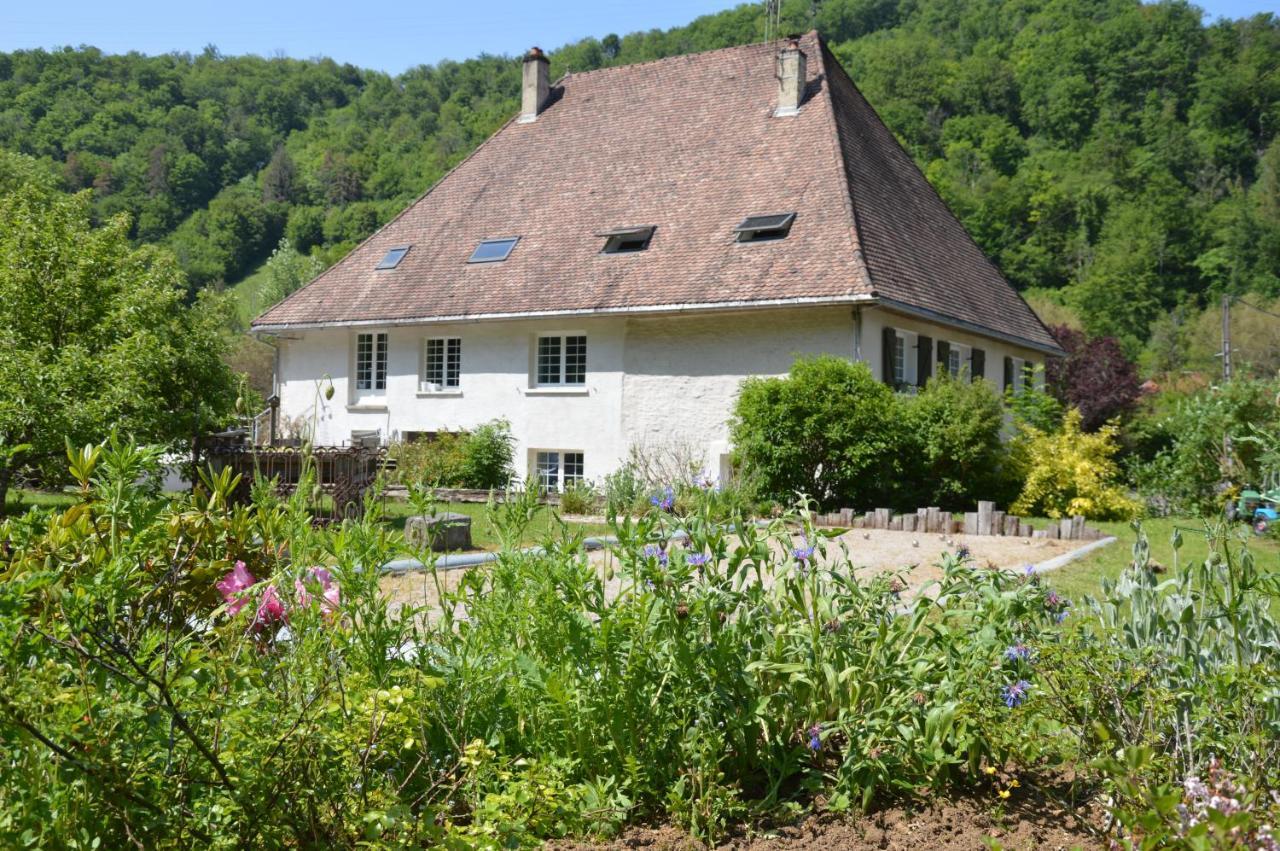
(772, 19)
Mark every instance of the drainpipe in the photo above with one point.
(857, 333)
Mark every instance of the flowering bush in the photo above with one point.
(1068, 472)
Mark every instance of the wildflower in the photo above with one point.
(655, 551)
(682, 610)
(962, 552)
(233, 585)
(815, 738)
(918, 698)
(1004, 794)
(1014, 693)
(666, 501)
(696, 559)
(270, 608)
(1018, 653)
(1029, 572)
(896, 587)
(988, 769)
(803, 553)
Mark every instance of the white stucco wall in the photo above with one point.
(650, 380)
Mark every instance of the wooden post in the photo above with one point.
(883, 516)
(1077, 527)
(908, 522)
(1054, 531)
(997, 522)
(846, 517)
(1010, 526)
(985, 507)
(1024, 529)
(971, 522)
(1065, 528)
(922, 520)
(869, 520)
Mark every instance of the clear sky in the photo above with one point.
(390, 35)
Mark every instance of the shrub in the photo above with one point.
(481, 458)
(1095, 378)
(578, 498)
(623, 491)
(1068, 472)
(956, 453)
(829, 430)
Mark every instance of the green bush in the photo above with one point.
(1069, 472)
(829, 430)
(956, 455)
(481, 458)
(578, 498)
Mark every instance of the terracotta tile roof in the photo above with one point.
(688, 144)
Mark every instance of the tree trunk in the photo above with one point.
(6, 474)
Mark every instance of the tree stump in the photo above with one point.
(442, 532)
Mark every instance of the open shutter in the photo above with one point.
(978, 364)
(924, 360)
(1008, 372)
(886, 357)
(944, 356)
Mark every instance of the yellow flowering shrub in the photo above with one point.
(1069, 471)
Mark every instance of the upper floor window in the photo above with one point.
(562, 360)
(393, 257)
(442, 363)
(761, 228)
(627, 240)
(899, 360)
(371, 361)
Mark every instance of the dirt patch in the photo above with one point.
(870, 551)
(952, 825)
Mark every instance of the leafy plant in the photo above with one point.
(1068, 472)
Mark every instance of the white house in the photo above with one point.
(609, 266)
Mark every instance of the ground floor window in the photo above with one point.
(557, 470)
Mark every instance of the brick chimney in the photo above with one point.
(791, 77)
(537, 84)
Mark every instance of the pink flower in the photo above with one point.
(270, 608)
(330, 595)
(232, 588)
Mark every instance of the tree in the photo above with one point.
(94, 333)
(1095, 377)
(287, 270)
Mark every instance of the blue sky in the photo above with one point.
(391, 35)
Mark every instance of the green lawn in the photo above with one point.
(18, 501)
(1085, 576)
(483, 533)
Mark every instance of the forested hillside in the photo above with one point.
(1116, 158)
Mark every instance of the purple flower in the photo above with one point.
(803, 553)
(655, 551)
(330, 595)
(666, 501)
(815, 738)
(271, 609)
(696, 559)
(962, 552)
(1014, 693)
(1018, 653)
(1030, 571)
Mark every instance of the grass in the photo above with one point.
(484, 536)
(19, 500)
(1084, 577)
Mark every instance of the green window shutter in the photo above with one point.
(1008, 372)
(886, 362)
(944, 356)
(924, 360)
(978, 364)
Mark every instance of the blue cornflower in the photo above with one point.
(666, 501)
(1030, 571)
(962, 552)
(1014, 693)
(803, 553)
(1018, 653)
(815, 738)
(655, 551)
(697, 559)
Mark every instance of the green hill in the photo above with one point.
(1119, 159)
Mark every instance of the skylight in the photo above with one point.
(760, 228)
(392, 258)
(626, 240)
(493, 250)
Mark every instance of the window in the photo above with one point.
(627, 240)
(762, 228)
(562, 360)
(899, 360)
(393, 257)
(953, 360)
(493, 250)
(557, 471)
(442, 363)
(371, 361)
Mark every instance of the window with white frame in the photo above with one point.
(561, 360)
(557, 470)
(441, 363)
(899, 360)
(371, 362)
(955, 358)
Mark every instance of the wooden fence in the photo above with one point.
(985, 521)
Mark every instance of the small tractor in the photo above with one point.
(1260, 509)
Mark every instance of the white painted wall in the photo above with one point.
(668, 380)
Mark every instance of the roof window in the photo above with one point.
(761, 228)
(493, 250)
(627, 240)
(392, 258)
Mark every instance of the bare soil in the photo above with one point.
(872, 551)
(961, 825)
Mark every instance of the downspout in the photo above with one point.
(857, 333)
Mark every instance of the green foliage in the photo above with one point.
(480, 458)
(1068, 472)
(94, 334)
(578, 498)
(828, 430)
(954, 429)
(287, 269)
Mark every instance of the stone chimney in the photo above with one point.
(791, 77)
(537, 84)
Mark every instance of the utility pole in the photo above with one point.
(1226, 337)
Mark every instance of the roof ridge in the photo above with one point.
(859, 252)
(694, 55)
